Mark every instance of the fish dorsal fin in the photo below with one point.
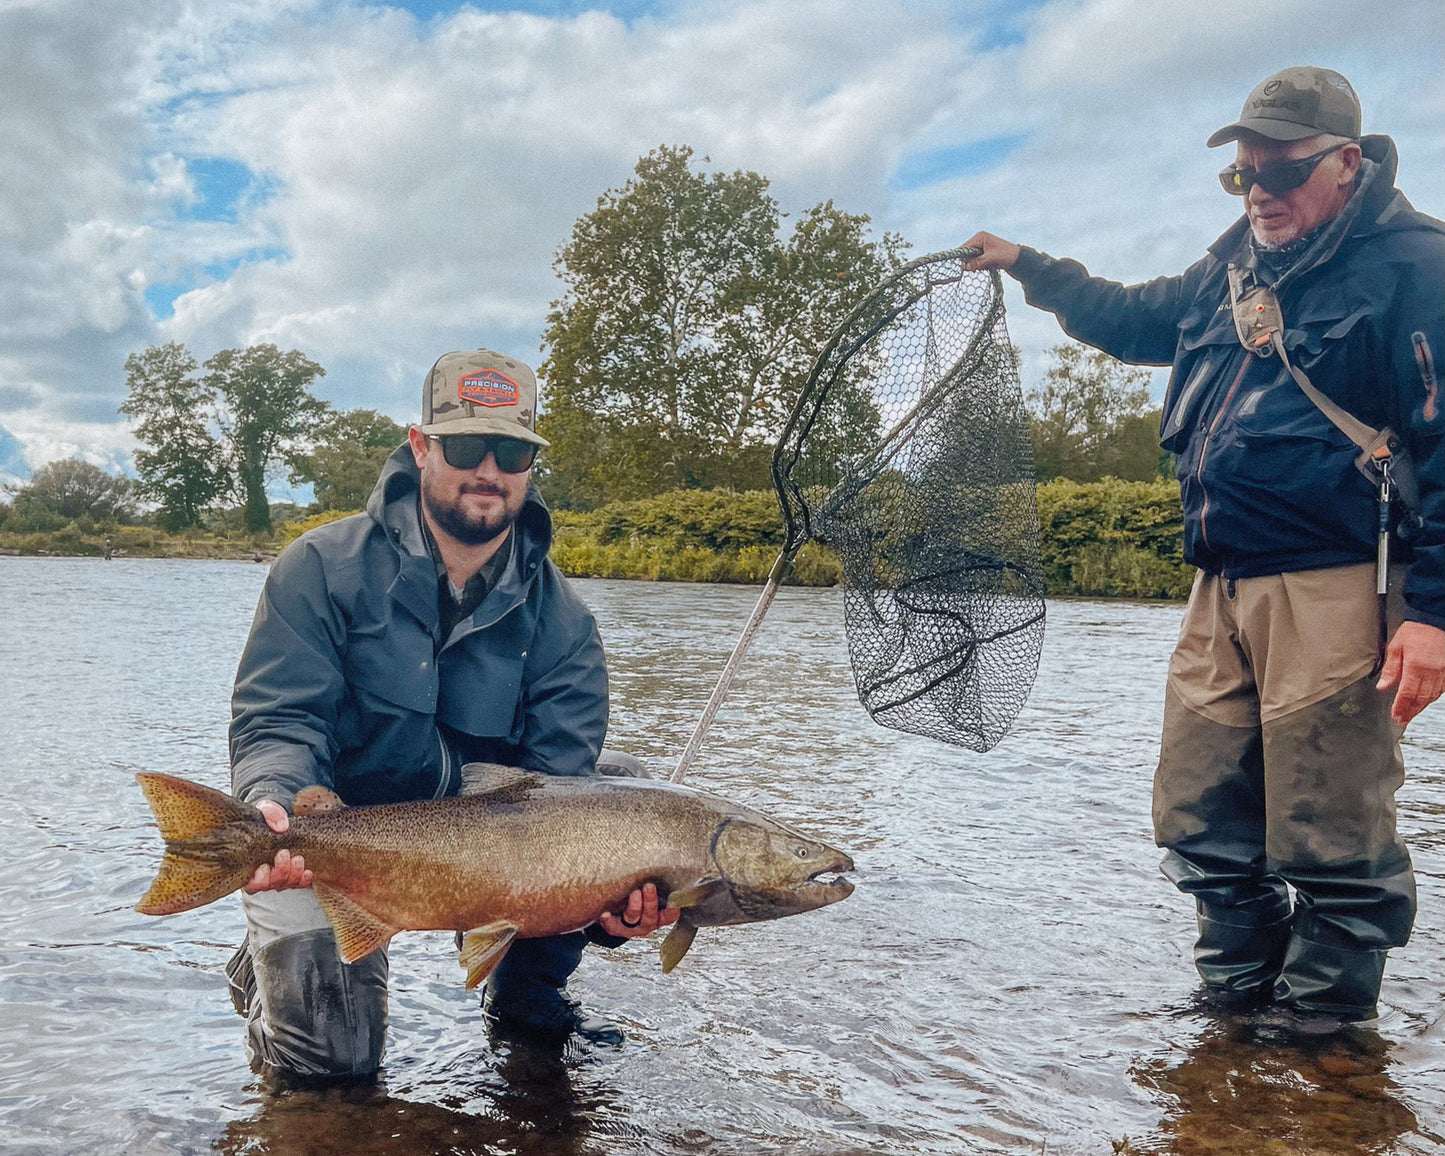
(502, 784)
(316, 800)
(358, 931)
(678, 940)
(483, 948)
(695, 894)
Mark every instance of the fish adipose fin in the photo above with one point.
(213, 843)
(501, 784)
(483, 948)
(316, 800)
(358, 931)
(678, 940)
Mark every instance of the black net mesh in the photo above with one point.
(909, 456)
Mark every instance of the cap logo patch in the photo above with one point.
(489, 387)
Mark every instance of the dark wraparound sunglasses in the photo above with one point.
(468, 451)
(1276, 179)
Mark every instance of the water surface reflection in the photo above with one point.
(1011, 976)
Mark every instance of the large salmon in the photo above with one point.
(516, 855)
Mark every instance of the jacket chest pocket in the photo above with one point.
(481, 694)
(397, 666)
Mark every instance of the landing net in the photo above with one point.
(908, 455)
(910, 458)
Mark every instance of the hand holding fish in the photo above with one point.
(640, 917)
(288, 870)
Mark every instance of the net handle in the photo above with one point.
(725, 679)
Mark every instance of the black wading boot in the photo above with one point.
(1239, 963)
(526, 997)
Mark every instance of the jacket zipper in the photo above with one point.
(1204, 449)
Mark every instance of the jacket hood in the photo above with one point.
(394, 506)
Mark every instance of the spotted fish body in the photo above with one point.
(517, 855)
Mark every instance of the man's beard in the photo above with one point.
(468, 529)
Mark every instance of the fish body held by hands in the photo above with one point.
(516, 855)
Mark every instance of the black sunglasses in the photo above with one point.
(468, 451)
(1275, 179)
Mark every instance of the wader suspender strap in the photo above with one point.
(1259, 321)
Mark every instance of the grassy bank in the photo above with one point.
(1102, 539)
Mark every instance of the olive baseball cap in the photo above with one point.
(1296, 103)
(481, 392)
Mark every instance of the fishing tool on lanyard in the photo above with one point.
(908, 454)
(1259, 322)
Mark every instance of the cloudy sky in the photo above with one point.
(377, 183)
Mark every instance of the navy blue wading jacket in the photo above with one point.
(345, 680)
(1268, 484)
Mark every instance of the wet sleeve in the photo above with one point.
(1138, 324)
(1417, 348)
(564, 703)
(289, 686)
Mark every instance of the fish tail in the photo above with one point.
(213, 844)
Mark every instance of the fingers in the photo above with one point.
(994, 252)
(640, 916)
(1415, 665)
(274, 814)
(287, 871)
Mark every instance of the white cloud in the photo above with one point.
(412, 180)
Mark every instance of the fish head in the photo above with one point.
(771, 871)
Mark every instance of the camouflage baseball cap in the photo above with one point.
(1296, 103)
(480, 392)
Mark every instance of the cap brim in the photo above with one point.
(485, 425)
(1271, 129)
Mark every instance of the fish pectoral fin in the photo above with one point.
(358, 931)
(316, 800)
(678, 940)
(695, 894)
(483, 948)
(503, 784)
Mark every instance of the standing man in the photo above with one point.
(388, 649)
(1283, 709)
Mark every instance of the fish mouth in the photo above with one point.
(828, 884)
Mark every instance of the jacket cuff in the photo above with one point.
(1029, 265)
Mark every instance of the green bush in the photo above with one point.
(1113, 538)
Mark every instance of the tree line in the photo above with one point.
(685, 331)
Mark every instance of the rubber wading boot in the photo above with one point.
(1239, 964)
(526, 996)
(1331, 981)
(308, 1013)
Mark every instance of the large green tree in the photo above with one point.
(687, 329)
(1092, 418)
(70, 489)
(347, 450)
(182, 466)
(269, 410)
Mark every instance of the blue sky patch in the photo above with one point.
(918, 170)
(221, 188)
(160, 298)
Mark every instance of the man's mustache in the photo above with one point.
(483, 488)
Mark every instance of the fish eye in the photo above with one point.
(801, 852)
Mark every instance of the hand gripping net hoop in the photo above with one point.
(908, 455)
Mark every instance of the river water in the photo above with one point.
(1012, 974)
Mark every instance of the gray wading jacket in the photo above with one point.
(1268, 484)
(346, 682)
